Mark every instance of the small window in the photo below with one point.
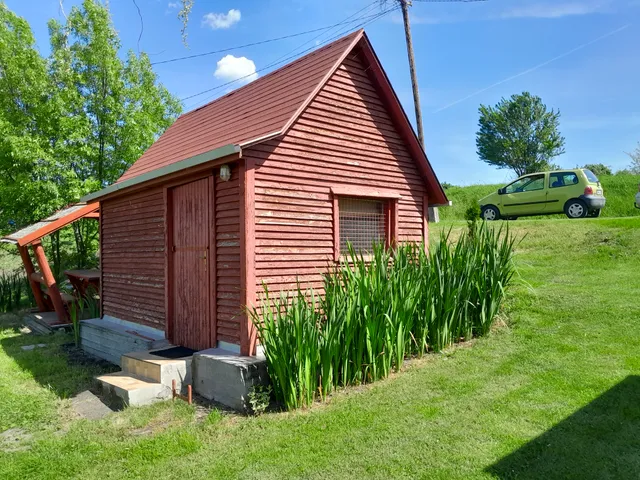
(591, 176)
(562, 179)
(362, 223)
(526, 184)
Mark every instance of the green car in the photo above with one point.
(576, 193)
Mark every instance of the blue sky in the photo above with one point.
(580, 56)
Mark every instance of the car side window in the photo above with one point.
(562, 179)
(526, 184)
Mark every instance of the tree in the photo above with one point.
(635, 160)
(519, 134)
(599, 169)
(74, 122)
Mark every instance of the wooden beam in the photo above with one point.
(366, 192)
(213, 265)
(336, 227)
(58, 224)
(425, 222)
(248, 334)
(35, 286)
(52, 287)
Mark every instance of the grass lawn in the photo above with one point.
(553, 394)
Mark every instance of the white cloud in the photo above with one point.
(556, 9)
(234, 68)
(221, 20)
(173, 5)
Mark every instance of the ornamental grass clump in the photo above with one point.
(380, 309)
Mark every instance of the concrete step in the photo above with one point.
(110, 340)
(132, 390)
(156, 369)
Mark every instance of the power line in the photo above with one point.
(270, 40)
(282, 60)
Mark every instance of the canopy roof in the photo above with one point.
(58, 220)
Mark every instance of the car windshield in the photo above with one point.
(591, 176)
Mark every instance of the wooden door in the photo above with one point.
(189, 272)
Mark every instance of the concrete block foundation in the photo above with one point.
(226, 377)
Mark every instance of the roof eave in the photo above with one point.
(168, 170)
(436, 194)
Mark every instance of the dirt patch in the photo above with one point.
(15, 440)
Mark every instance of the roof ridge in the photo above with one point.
(277, 70)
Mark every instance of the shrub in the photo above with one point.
(15, 291)
(377, 311)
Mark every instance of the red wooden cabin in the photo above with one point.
(265, 184)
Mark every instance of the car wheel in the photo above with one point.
(575, 209)
(594, 213)
(490, 213)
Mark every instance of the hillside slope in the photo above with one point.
(619, 190)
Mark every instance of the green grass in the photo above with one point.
(620, 191)
(552, 395)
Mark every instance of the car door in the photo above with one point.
(525, 196)
(562, 187)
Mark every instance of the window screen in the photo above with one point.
(362, 223)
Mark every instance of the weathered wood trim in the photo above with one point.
(247, 255)
(100, 242)
(168, 260)
(353, 191)
(336, 227)
(52, 287)
(161, 175)
(35, 286)
(213, 262)
(177, 176)
(58, 224)
(425, 222)
(393, 233)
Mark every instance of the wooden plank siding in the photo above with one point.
(133, 258)
(344, 137)
(228, 301)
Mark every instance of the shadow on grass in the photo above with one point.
(58, 367)
(601, 440)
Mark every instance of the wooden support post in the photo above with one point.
(248, 333)
(425, 222)
(52, 287)
(35, 286)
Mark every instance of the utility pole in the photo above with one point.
(404, 5)
(434, 215)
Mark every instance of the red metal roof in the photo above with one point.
(263, 107)
(268, 106)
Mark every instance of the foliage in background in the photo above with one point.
(15, 292)
(519, 134)
(634, 167)
(600, 169)
(376, 312)
(73, 122)
(619, 190)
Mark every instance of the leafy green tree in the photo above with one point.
(599, 169)
(74, 122)
(32, 181)
(519, 134)
(119, 105)
(635, 160)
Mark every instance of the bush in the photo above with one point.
(378, 311)
(15, 292)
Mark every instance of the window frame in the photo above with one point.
(389, 200)
(531, 177)
(563, 174)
